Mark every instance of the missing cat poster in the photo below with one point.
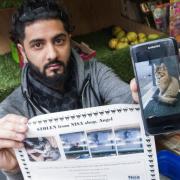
(99, 143)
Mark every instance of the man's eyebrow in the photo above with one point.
(61, 35)
(36, 40)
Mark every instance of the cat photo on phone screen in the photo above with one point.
(167, 84)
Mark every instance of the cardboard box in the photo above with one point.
(131, 10)
(130, 25)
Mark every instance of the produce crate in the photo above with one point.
(119, 60)
(84, 50)
(130, 25)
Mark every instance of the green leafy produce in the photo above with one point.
(9, 75)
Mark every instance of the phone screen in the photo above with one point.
(157, 73)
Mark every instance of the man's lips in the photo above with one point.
(54, 66)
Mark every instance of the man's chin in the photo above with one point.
(55, 79)
(53, 74)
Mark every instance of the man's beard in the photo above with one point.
(56, 81)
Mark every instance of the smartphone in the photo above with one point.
(156, 69)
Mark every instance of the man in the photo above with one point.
(54, 79)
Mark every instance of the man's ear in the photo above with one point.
(22, 52)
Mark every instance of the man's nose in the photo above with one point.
(52, 52)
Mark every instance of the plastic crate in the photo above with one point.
(84, 50)
(169, 164)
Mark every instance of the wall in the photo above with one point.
(5, 19)
(91, 15)
(87, 16)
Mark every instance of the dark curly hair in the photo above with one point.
(33, 10)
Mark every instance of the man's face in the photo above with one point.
(47, 48)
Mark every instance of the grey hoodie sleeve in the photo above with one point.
(13, 176)
(112, 89)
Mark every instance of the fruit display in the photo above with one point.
(122, 39)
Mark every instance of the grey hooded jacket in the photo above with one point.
(97, 85)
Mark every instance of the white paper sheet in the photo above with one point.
(99, 143)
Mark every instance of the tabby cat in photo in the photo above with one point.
(167, 84)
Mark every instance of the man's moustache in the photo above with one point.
(58, 62)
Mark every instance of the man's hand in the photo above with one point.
(134, 89)
(12, 133)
